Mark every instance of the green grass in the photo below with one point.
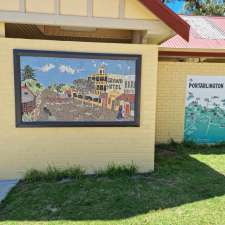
(187, 188)
(54, 174)
(113, 170)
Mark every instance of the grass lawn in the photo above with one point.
(187, 188)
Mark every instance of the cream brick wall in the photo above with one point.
(133, 9)
(92, 148)
(106, 8)
(73, 7)
(40, 6)
(171, 93)
(10, 5)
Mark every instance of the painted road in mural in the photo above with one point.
(205, 109)
(54, 108)
(77, 89)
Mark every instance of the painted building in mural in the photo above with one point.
(129, 84)
(28, 100)
(115, 90)
(106, 82)
(100, 80)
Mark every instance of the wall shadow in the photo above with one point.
(178, 179)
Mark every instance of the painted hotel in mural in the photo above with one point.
(115, 90)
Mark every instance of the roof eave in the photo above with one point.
(170, 18)
(191, 52)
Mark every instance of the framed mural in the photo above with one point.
(205, 109)
(54, 89)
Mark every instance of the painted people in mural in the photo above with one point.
(77, 89)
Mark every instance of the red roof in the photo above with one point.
(206, 33)
(170, 18)
(126, 97)
(25, 88)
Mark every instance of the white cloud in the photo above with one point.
(67, 69)
(104, 63)
(47, 67)
(80, 70)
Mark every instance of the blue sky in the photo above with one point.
(65, 70)
(176, 5)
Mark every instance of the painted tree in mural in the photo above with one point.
(203, 7)
(84, 87)
(59, 87)
(28, 73)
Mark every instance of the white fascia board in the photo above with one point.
(153, 26)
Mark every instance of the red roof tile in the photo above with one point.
(126, 97)
(206, 33)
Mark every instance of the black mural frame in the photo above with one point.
(17, 83)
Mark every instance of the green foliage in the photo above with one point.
(171, 145)
(33, 85)
(192, 145)
(33, 175)
(113, 170)
(60, 88)
(73, 172)
(27, 117)
(203, 7)
(38, 85)
(53, 87)
(28, 73)
(64, 87)
(54, 174)
(174, 146)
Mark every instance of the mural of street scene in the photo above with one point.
(205, 110)
(77, 89)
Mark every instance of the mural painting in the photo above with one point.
(77, 88)
(205, 109)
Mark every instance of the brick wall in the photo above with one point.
(171, 93)
(92, 148)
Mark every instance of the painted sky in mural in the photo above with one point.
(65, 70)
(205, 109)
(77, 89)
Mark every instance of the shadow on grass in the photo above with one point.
(178, 179)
